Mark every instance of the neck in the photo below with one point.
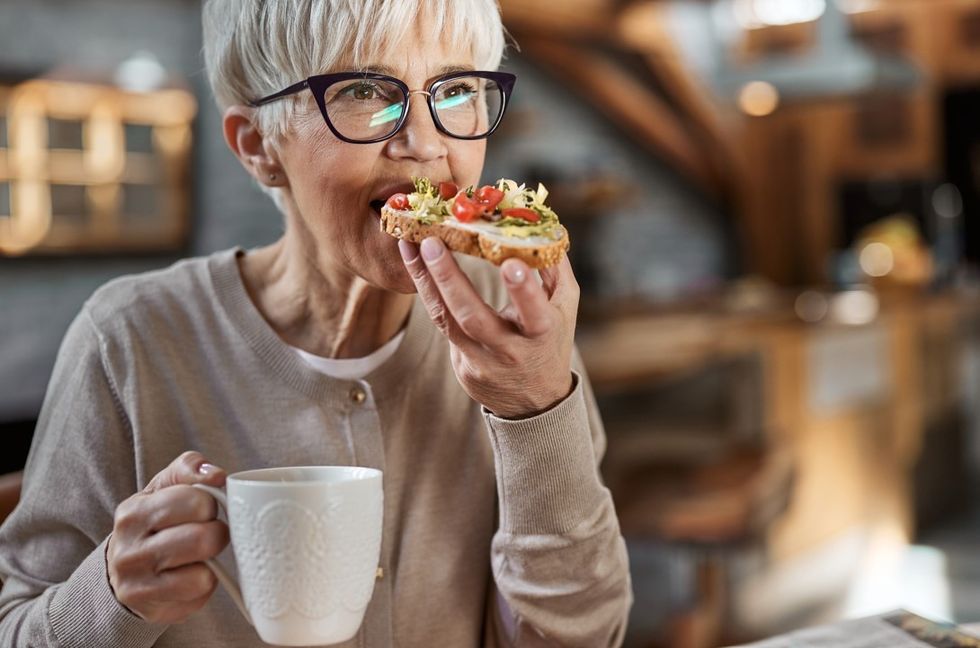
(324, 310)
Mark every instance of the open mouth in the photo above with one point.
(384, 192)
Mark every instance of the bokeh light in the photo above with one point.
(877, 259)
(811, 306)
(758, 98)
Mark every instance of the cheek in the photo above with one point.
(466, 160)
(328, 185)
(328, 190)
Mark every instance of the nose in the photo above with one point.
(418, 139)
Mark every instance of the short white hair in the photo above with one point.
(253, 48)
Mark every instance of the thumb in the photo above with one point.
(189, 468)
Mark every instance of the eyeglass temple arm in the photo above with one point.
(293, 89)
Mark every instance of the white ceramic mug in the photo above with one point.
(307, 542)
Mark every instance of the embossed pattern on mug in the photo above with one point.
(353, 558)
(295, 558)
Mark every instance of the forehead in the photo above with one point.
(416, 54)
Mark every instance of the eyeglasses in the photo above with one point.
(363, 107)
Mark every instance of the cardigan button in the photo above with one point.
(357, 395)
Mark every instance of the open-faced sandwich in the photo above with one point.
(495, 222)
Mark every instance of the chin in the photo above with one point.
(389, 273)
(385, 268)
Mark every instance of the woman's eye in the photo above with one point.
(460, 89)
(362, 91)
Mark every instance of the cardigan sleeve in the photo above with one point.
(559, 561)
(56, 590)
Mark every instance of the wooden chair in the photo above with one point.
(10, 485)
(713, 506)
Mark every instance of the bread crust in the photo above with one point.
(494, 249)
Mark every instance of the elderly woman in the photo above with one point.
(334, 345)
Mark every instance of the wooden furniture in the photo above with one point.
(89, 167)
(720, 500)
(10, 484)
(801, 154)
(702, 483)
(779, 175)
(713, 507)
(855, 409)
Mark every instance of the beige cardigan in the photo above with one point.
(180, 359)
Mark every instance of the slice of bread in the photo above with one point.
(480, 239)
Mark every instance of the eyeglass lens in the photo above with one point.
(367, 109)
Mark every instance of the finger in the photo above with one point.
(535, 314)
(189, 468)
(185, 584)
(146, 513)
(186, 544)
(551, 276)
(180, 504)
(172, 613)
(169, 596)
(560, 283)
(475, 318)
(429, 294)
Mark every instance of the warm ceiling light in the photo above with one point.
(752, 14)
(858, 6)
(758, 98)
(141, 72)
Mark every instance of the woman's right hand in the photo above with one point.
(160, 538)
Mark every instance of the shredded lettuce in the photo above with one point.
(427, 205)
(425, 202)
(423, 186)
(518, 195)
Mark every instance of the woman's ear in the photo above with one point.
(250, 146)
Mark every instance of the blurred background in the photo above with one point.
(775, 214)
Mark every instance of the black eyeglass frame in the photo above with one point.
(319, 83)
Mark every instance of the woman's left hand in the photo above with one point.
(516, 362)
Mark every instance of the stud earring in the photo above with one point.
(273, 177)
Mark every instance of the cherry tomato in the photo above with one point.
(489, 197)
(522, 212)
(464, 209)
(398, 201)
(447, 190)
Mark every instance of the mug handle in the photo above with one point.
(226, 579)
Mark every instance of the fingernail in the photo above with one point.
(514, 273)
(431, 249)
(407, 251)
(206, 469)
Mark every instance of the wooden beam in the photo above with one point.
(644, 27)
(630, 104)
(591, 19)
(641, 27)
